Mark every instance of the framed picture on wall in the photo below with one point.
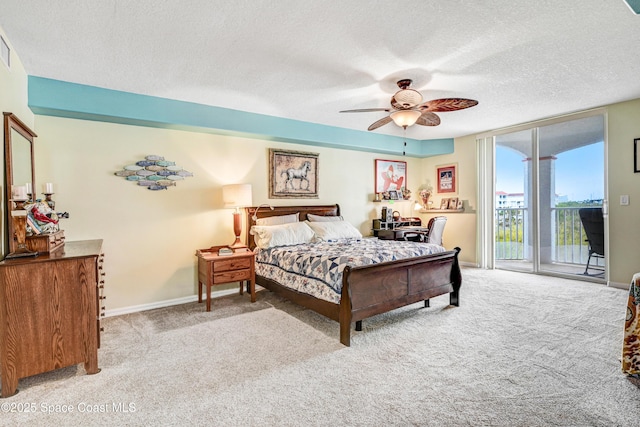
(447, 178)
(636, 156)
(293, 174)
(390, 175)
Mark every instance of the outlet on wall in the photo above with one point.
(624, 200)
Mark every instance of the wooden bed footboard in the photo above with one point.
(371, 290)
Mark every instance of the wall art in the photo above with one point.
(293, 174)
(390, 175)
(447, 177)
(154, 172)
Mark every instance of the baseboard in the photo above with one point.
(166, 303)
(468, 264)
(619, 285)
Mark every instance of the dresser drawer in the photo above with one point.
(232, 276)
(231, 264)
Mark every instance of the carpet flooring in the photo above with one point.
(521, 350)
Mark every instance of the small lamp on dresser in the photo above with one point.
(237, 196)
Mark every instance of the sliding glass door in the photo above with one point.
(549, 197)
(513, 201)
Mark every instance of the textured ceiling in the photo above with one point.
(307, 60)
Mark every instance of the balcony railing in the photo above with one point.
(568, 238)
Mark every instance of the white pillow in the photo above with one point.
(335, 230)
(320, 218)
(280, 219)
(294, 233)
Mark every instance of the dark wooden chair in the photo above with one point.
(593, 223)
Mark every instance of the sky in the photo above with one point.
(579, 172)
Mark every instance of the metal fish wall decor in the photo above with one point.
(154, 172)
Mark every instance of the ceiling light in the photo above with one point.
(404, 118)
(408, 97)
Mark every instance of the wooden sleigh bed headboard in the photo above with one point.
(264, 211)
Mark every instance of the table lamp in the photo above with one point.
(237, 196)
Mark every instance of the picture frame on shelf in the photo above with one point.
(293, 174)
(390, 175)
(453, 203)
(393, 195)
(460, 205)
(447, 178)
(444, 204)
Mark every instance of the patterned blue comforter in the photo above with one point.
(316, 268)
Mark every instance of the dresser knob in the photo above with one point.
(101, 329)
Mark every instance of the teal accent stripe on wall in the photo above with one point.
(63, 99)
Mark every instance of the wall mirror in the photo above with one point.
(18, 166)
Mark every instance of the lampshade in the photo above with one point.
(236, 195)
(405, 117)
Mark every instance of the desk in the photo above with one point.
(631, 343)
(404, 233)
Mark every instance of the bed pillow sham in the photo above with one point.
(320, 218)
(280, 219)
(332, 230)
(294, 233)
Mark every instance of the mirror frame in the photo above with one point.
(12, 122)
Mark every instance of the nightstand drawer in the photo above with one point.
(231, 264)
(232, 276)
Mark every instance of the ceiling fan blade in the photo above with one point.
(428, 119)
(448, 104)
(383, 121)
(365, 110)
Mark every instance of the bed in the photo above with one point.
(366, 290)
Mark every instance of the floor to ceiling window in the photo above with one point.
(549, 184)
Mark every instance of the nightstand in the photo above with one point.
(214, 269)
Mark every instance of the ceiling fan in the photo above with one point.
(408, 109)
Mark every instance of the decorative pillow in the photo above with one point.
(294, 233)
(280, 219)
(335, 230)
(320, 218)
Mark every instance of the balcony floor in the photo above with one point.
(566, 270)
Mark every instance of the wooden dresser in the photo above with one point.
(50, 312)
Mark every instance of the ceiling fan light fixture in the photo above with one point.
(404, 118)
(408, 97)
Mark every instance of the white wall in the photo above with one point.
(150, 237)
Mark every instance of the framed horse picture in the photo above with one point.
(293, 174)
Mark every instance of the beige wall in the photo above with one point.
(13, 87)
(150, 237)
(624, 224)
(13, 99)
(460, 230)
